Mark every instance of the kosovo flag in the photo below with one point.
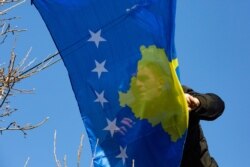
(121, 61)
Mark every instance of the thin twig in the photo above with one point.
(22, 62)
(65, 160)
(9, 30)
(3, 40)
(40, 64)
(9, 19)
(23, 91)
(79, 152)
(26, 162)
(15, 126)
(13, 6)
(3, 28)
(58, 164)
(8, 1)
(7, 94)
(7, 112)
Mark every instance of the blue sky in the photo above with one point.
(212, 42)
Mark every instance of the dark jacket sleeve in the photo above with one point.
(211, 105)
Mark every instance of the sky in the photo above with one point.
(212, 42)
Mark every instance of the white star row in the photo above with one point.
(99, 69)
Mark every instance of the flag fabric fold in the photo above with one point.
(121, 61)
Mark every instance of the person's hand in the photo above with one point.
(192, 101)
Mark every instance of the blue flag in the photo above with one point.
(121, 61)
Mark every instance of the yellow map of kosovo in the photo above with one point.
(155, 93)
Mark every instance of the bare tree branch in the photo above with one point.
(8, 1)
(15, 126)
(16, 74)
(8, 29)
(79, 152)
(5, 23)
(13, 72)
(12, 7)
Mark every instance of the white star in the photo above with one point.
(111, 127)
(123, 154)
(99, 68)
(100, 98)
(96, 37)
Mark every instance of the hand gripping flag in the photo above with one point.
(121, 61)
